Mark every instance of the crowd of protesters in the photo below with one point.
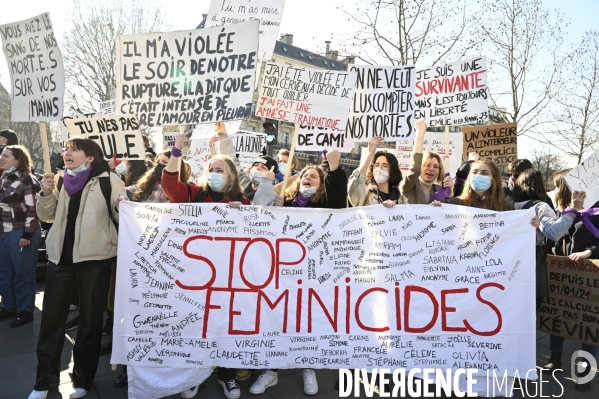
(81, 202)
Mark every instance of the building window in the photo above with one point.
(325, 62)
(301, 54)
(310, 57)
(284, 49)
(333, 64)
(251, 128)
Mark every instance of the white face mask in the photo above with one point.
(307, 192)
(282, 168)
(10, 170)
(380, 176)
(76, 171)
(122, 169)
(256, 176)
(421, 180)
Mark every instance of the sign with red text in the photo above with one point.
(36, 69)
(312, 97)
(116, 135)
(453, 94)
(383, 103)
(198, 156)
(414, 286)
(310, 138)
(187, 77)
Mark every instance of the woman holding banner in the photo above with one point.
(426, 172)
(81, 246)
(376, 181)
(219, 184)
(577, 244)
(312, 189)
(20, 235)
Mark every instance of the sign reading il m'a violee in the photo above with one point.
(117, 135)
(572, 309)
(453, 94)
(497, 142)
(36, 69)
(410, 287)
(187, 77)
(306, 96)
(383, 103)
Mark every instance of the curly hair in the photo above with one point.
(145, 184)
(232, 187)
(321, 192)
(23, 158)
(496, 200)
(137, 168)
(394, 171)
(563, 198)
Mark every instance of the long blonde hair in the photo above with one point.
(232, 187)
(496, 200)
(563, 198)
(321, 191)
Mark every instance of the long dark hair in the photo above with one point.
(137, 169)
(89, 147)
(529, 186)
(394, 171)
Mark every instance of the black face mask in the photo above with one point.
(158, 171)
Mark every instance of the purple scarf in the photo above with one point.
(74, 184)
(443, 193)
(301, 201)
(584, 216)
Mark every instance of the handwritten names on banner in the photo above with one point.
(496, 142)
(317, 139)
(117, 135)
(266, 287)
(248, 146)
(36, 69)
(453, 94)
(585, 177)
(312, 97)
(383, 103)
(269, 12)
(572, 309)
(187, 77)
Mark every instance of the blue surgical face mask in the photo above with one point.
(308, 192)
(256, 176)
(122, 169)
(216, 181)
(282, 168)
(480, 183)
(76, 171)
(10, 170)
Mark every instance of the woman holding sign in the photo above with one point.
(426, 172)
(81, 246)
(377, 179)
(312, 189)
(220, 184)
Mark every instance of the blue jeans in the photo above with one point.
(17, 270)
(556, 344)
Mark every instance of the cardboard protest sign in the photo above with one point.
(572, 309)
(198, 156)
(496, 142)
(383, 103)
(168, 139)
(585, 177)
(187, 77)
(311, 138)
(117, 134)
(64, 131)
(108, 108)
(276, 287)
(36, 69)
(306, 96)
(453, 94)
(248, 146)
(434, 142)
(269, 12)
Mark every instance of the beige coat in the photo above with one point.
(409, 186)
(95, 234)
(358, 191)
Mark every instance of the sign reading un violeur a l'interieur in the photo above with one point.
(410, 287)
(187, 77)
(497, 142)
(305, 96)
(36, 69)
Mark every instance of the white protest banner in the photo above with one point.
(64, 131)
(187, 77)
(311, 138)
(117, 134)
(585, 177)
(206, 130)
(108, 108)
(36, 69)
(453, 94)
(168, 140)
(306, 96)
(383, 103)
(198, 156)
(269, 12)
(434, 142)
(248, 146)
(414, 286)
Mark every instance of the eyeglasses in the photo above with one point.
(514, 175)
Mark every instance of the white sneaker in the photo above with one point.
(268, 378)
(230, 389)
(190, 393)
(78, 393)
(310, 383)
(38, 394)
